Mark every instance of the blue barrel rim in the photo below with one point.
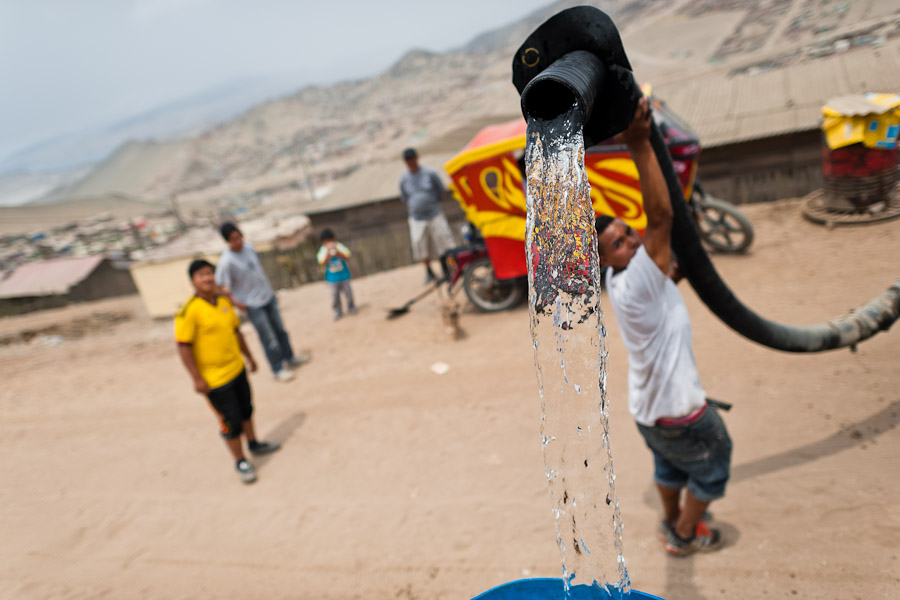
(550, 588)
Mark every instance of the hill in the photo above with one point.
(437, 101)
(186, 117)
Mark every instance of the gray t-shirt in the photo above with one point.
(242, 273)
(421, 192)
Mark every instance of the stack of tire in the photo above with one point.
(858, 178)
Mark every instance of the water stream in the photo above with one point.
(570, 356)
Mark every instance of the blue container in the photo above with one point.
(550, 589)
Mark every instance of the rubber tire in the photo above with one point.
(510, 292)
(726, 214)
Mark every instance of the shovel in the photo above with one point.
(396, 312)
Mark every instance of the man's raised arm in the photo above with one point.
(657, 205)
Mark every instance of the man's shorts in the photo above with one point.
(431, 238)
(232, 402)
(696, 455)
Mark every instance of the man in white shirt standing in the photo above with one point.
(240, 273)
(690, 444)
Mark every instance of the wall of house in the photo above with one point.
(164, 286)
(376, 233)
(18, 306)
(106, 281)
(785, 166)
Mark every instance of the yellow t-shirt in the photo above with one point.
(210, 332)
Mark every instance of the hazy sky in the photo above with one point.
(68, 65)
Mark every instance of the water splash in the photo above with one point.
(570, 357)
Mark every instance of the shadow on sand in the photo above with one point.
(848, 437)
(680, 584)
(281, 434)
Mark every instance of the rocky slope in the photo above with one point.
(321, 134)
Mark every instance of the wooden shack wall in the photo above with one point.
(19, 306)
(376, 233)
(106, 281)
(785, 166)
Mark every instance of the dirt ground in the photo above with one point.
(395, 482)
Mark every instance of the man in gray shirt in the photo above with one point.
(421, 190)
(240, 273)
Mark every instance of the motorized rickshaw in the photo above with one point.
(488, 182)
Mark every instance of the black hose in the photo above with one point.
(576, 78)
(576, 56)
(848, 330)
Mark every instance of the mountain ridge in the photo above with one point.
(322, 133)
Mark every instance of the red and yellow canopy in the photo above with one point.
(488, 182)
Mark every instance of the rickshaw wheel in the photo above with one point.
(722, 225)
(486, 291)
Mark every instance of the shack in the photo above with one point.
(365, 212)
(759, 129)
(60, 281)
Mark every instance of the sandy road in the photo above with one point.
(398, 483)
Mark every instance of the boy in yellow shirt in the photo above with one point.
(210, 345)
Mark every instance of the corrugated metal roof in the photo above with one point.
(379, 181)
(858, 105)
(48, 277)
(727, 110)
(765, 124)
(723, 110)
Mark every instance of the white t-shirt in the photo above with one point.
(662, 373)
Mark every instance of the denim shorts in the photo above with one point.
(696, 455)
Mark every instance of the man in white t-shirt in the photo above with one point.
(690, 445)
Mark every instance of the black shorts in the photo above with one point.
(233, 403)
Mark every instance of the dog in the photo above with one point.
(450, 317)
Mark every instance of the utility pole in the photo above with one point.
(309, 185)
(304, 165)
(182, 226)
(136, 234)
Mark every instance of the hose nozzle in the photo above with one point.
(576, 56)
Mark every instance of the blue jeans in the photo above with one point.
(696, 455)
(274, 339)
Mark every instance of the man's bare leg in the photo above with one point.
(429, 274)
(249, 432)
(671, 503)
(691, 515)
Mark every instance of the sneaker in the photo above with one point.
(705, 539)
(296, 361)
(260, 448)
(429, 277)
(284, 375)
(352, 310)
(246, 471)
(665, 527)
(337, 316)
